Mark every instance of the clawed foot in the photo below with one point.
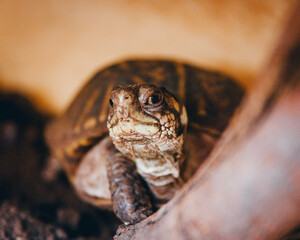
(133, 217)
(121, 229)
(139, 215)
(131, 202)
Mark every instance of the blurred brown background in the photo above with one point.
(49, 48)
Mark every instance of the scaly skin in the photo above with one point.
(130, 199)
(147, 125)
(150, 136)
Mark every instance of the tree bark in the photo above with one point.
(249, 187)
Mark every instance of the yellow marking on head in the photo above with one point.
(104, 108)
(181, 80)
(91, 122)
(183, 116)
(87, 108)
(176, 105)
(172, 103)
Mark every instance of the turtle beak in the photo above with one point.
(127, 118)
(133, 128)
(123, 102)
(112, 120)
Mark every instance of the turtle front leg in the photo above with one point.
(130, 200)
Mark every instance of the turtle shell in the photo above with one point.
(210, 99)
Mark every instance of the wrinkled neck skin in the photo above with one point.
(157, 162)
(154, 159)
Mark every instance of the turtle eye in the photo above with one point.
(111, 102)
(154, 99)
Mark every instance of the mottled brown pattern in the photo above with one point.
(86, 109)
(130, 200)
(220, 94)
(151, 135)
(210, 99)
(104, 106)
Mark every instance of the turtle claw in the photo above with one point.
(121, 229)
(140, 215)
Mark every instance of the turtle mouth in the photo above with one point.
(131, 129)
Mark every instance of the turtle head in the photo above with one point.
(144, 114)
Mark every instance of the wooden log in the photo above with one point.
(249, 187)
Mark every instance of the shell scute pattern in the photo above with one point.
(207, 96)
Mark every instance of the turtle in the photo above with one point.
(138, 130)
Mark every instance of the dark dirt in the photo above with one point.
(30, 207)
